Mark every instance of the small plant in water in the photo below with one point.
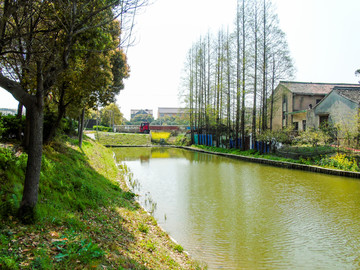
(150, 204)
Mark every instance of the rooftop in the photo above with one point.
(351, 93)
(310, 88)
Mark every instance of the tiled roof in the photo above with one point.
(352, 93)
(309, 88)
(170, 110)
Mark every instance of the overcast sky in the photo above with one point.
(322, 35)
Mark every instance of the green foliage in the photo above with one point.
(179, 248)
(10, 125)
(111, 115)
(12, 171)
(172, 120)
(2, 128)
(120, 69)
(102, 128)
(149, 245)
(70, 249)
(314, 137)
(183, 140)
(284, 136)
(140, 118)
(340, 161)
(143, 228)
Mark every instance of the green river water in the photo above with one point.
(234, 214)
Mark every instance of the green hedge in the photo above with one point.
(103, 128)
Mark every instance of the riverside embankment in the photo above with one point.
(86, 216)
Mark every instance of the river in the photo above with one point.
(235, 214)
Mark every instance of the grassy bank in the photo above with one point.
(86, 217)
(123, 139)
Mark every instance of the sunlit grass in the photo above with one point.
(117, 139)
(86, 217)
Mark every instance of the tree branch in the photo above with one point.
(16, 90)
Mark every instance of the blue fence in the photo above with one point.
(207, 139)
(203, 139)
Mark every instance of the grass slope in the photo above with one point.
(86, 217)
(109, 138)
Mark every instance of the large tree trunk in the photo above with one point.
(19, 116)
(31, 186)
(35, 111)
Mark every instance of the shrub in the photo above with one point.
(340, 161)
(10, 125)
(2, 128)
(314, 137)
(103, 128)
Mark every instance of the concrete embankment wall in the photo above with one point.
(283, 164)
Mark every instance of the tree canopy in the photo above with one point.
(60, 56)
(111, 115)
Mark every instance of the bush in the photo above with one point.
(10, 125)
(103, 128)
(2, 128)
(340, 161)
(69, 126)
(183, 140)
(314, 137)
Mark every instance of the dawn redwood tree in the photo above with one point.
(224, 71)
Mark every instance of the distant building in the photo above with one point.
(162, 111)
(5, 111)
(134, 112)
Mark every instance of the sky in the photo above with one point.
(322, 35)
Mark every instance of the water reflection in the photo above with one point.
(239, 215)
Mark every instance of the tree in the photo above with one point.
(234, 66)
(139, 118)
(38, 40)
(111, 115)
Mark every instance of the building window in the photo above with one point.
(304, 125)
(284, 111)
(296, 126)
(323, 120)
